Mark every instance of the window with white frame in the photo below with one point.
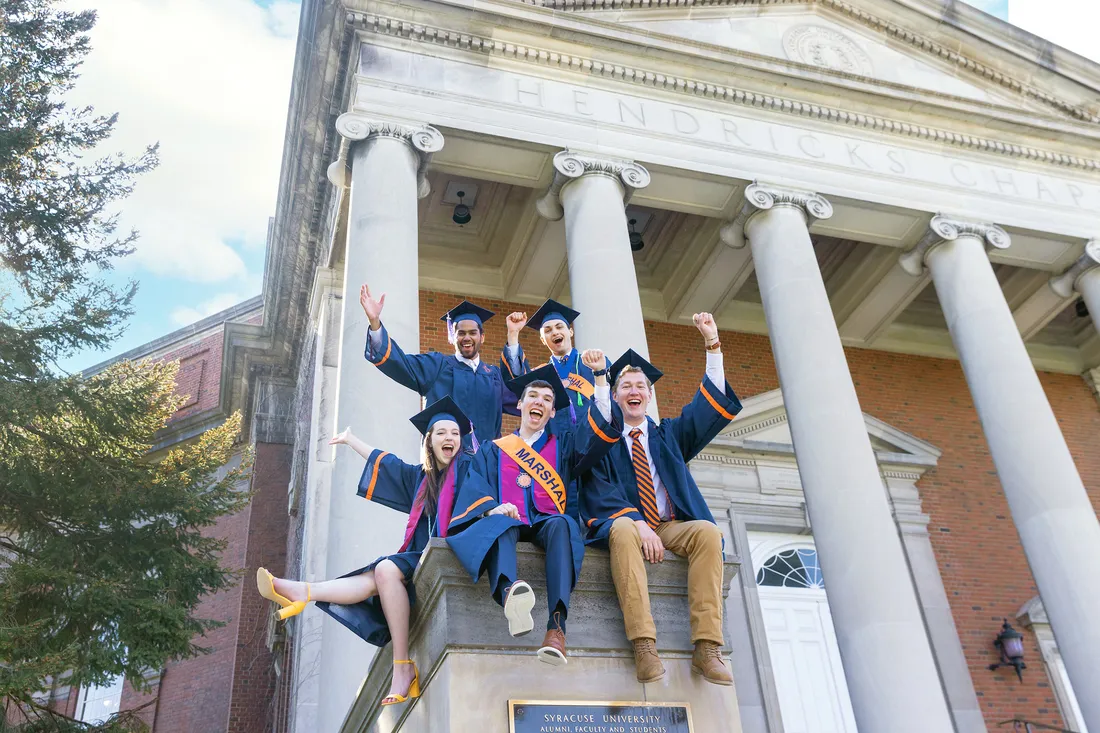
(1033, 616)
(98, 703)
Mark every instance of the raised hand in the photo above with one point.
(593, 359)
(341, 438)
(706, 325)
(372, 307)
(508, 510)
(516, 321)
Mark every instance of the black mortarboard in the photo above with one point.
(552, 310)
(546, 373)
(634, 359)
(442, 409)
(465, 311)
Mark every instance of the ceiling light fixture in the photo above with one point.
(462, 211)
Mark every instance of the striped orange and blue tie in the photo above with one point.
(647, 496)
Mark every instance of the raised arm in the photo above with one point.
(418, 372)
(714, 404)
(513, 362)
(594, 436)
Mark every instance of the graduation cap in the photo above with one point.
(633, 359)
(552, 310)
(442, 409)
(547, 373)
(465, 311)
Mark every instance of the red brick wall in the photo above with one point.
(199, 374)
(252, 709)
(983, 566)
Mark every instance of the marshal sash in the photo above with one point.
(577, 383)
(536, 466)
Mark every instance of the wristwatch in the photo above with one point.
(599, 372)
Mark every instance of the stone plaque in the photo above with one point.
(586, 716)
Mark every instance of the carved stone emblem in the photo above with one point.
(826, 48)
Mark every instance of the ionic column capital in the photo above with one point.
(1069, 281)
(569, 166)
(944, 228)
(762, 197)
(354, 127)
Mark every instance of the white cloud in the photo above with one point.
(1070, 24)
(185, 315)
(209, 79)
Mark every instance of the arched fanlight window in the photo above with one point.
(796, 568)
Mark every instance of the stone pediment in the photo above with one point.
(761, 428)
(803, 36)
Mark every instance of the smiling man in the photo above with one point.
(554, 324)
(643, 500)
(523, 496)
(477, 388)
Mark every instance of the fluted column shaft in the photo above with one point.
(591, 193)
(1052, 512)
(887, 658)
(386, 161)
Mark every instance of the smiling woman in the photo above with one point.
(374, 601)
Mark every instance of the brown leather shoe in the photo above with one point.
(708, 662)
(648, 664)
(553, 648)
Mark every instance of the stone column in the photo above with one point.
(1084, 278)
(388, 159)
(1052, 512)
(888, 662)
(591, 193)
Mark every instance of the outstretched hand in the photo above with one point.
(372, 307)
(706, 325)
(341, 438)
(593, 359)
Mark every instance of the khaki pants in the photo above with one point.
(701, 543)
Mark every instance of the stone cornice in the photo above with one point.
(943, 228)
(569, 166)
(464, 41)
(1065, 284)
(881, 25)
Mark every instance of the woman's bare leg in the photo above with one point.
(395, 604)
(341, 590)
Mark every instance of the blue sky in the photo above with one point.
(210, 80)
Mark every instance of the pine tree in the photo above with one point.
(105, 549)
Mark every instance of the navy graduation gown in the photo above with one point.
(481, 394)
(391, 482)
(471, 534)
(611, 490)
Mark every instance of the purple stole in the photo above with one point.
(512, 493)
(444, 504)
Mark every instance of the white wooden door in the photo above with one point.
(809, 679)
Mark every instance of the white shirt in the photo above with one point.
(376, 345)
(534, 438)
(602, 398)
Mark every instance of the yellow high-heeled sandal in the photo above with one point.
(265, 583)
(295, 607)
(414, 686)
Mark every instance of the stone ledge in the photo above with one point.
(456, 617)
